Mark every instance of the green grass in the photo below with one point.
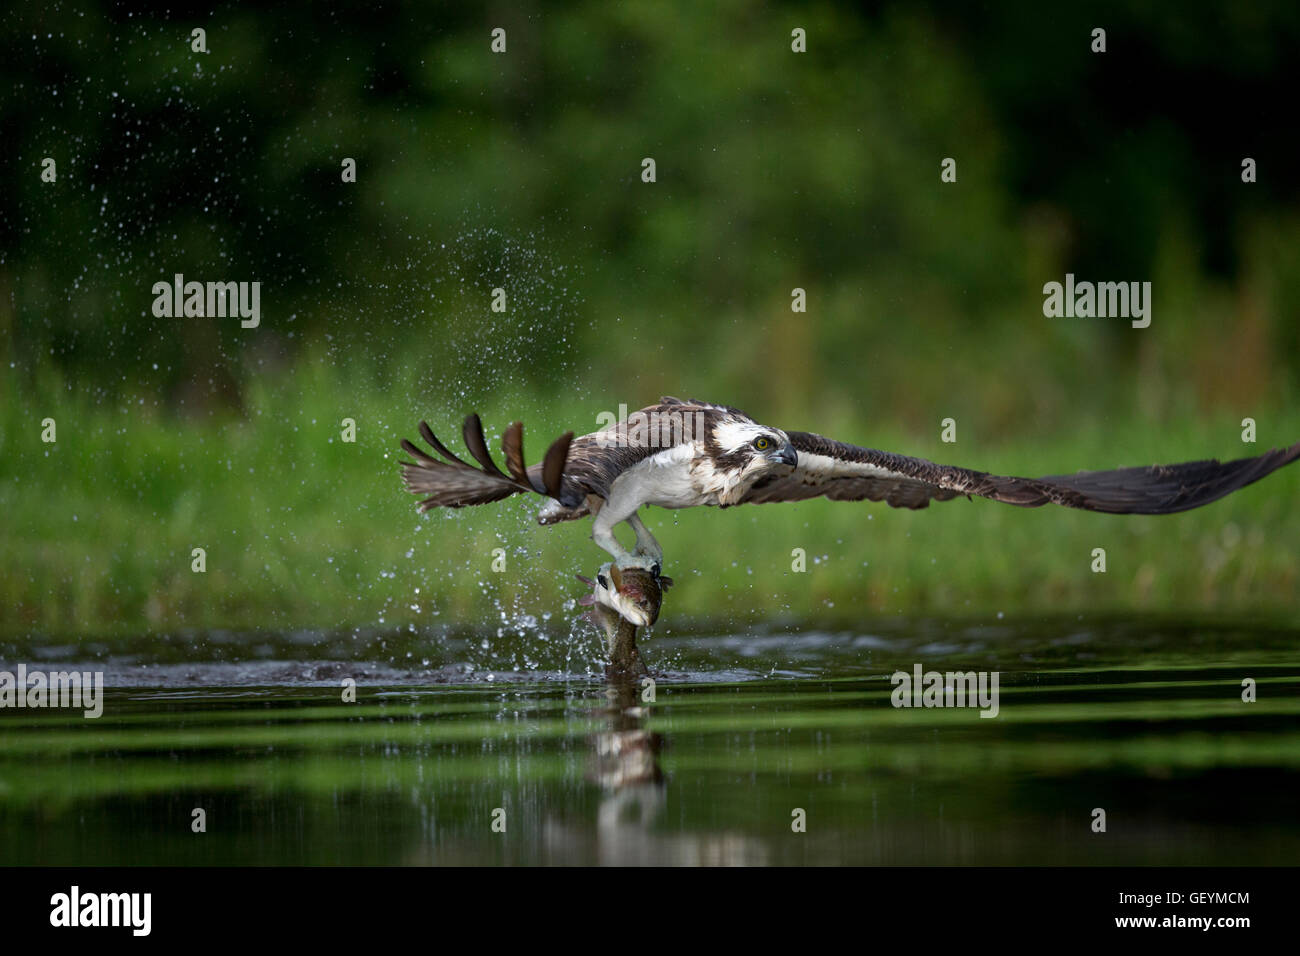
(303, 530)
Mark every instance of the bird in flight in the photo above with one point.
(680, 454)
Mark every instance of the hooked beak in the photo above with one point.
(788, 456)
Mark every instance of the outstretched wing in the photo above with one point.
(849, 473)
(453, 483)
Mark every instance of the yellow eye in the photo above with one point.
(762, 444)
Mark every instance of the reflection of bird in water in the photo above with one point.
(625, 763)
(625, 758)
(626, 755)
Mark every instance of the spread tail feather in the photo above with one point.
(454, 483)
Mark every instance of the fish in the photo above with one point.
(621, 600)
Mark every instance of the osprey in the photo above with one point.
(679, 454)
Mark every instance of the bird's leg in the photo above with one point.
(614, 510)
(646, 544)
(602, 532)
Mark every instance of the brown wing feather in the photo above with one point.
(553, 465)
(454, 483)
(427, 434)
(1167, 489)
(845, 472)
(477, 444)
(512, 446)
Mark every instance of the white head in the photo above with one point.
(750, 450)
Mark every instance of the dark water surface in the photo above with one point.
(1145, 720)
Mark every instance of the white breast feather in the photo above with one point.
(663, 479)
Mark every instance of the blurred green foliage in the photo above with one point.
(521, 170)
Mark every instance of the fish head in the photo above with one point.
(635, 594)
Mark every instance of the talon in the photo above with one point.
(650, 550)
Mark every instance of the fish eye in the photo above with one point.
(762, 443)
(603, 583)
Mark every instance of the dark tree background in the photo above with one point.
(522, 171)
